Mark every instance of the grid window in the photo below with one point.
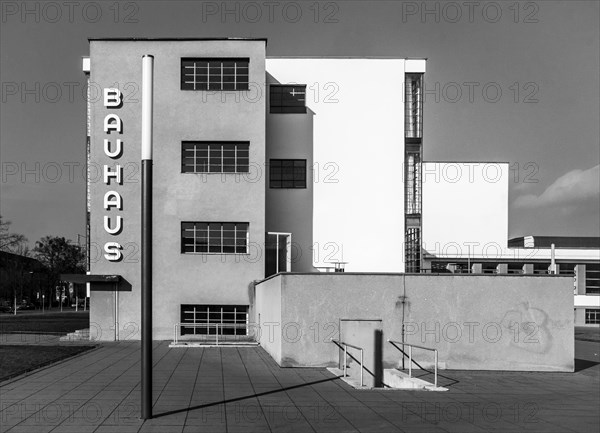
(213, 319)
(214, 74)
(413, 184)
(214, 238)
(214, 157)
(413, 106)
(413, 250)
(287, 173)
(592, 316)
(592, 279)
(287, 99)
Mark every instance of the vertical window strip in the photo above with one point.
(195, 238)
(247, 239)
(195, 158)
(208, 159)
(221, 246)
(194, 72)
(235, 159)
(235, 238)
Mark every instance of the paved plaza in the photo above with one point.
(242, 390)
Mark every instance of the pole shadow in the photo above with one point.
(246, 397)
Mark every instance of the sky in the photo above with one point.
(514, 82)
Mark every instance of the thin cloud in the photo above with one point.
(577, 186)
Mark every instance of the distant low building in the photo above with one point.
(20, 275)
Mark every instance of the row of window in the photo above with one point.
(233, 157)
(223, 74)
(233, 319)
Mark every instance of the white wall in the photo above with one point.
(358, 153)
(465, 206)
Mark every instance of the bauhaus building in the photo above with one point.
(235, 170)
(263, 167)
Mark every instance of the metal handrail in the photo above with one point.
(410, 361)
(177, 326)
(346, 345)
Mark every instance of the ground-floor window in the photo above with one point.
(592, 316)
(213, 319)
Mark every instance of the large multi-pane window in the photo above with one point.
(287, 99)
(214, 157)
(214, 73)
(214, 319)
(413, 105)
(592, 316)
(412, 184)
(214, 238)
(592, 279)
(287, 173)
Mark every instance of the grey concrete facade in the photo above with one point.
(178, 115)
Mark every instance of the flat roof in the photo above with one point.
(411, 274)
(347, 57)
(587, 242)
(175, 39)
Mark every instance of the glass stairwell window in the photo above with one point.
(413, 106)
(413, 184)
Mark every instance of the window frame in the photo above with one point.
(208, 244)
(202, 86)
(413, 105)
(208, 312)
(239, 147)
(595, 312)
(282, 108)
(303, 181)
(592, 279)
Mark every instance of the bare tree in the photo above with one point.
(15, 243)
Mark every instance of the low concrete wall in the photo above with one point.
(268, 317)
(478, 322)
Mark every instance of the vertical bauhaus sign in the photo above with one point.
(113, 178)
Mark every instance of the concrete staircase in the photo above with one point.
(78, 335)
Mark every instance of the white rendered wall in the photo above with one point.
(465, 208)
(358, 154)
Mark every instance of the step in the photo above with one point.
(78, 335)
(399, 380)
(213, 344)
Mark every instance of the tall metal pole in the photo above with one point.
(146, 247)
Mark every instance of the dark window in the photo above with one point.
(214, 157)
(213, 319)
(214, 238)
(287, 99)
(592, 279)
(214, 74)
(287, 173)
(592, 316)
